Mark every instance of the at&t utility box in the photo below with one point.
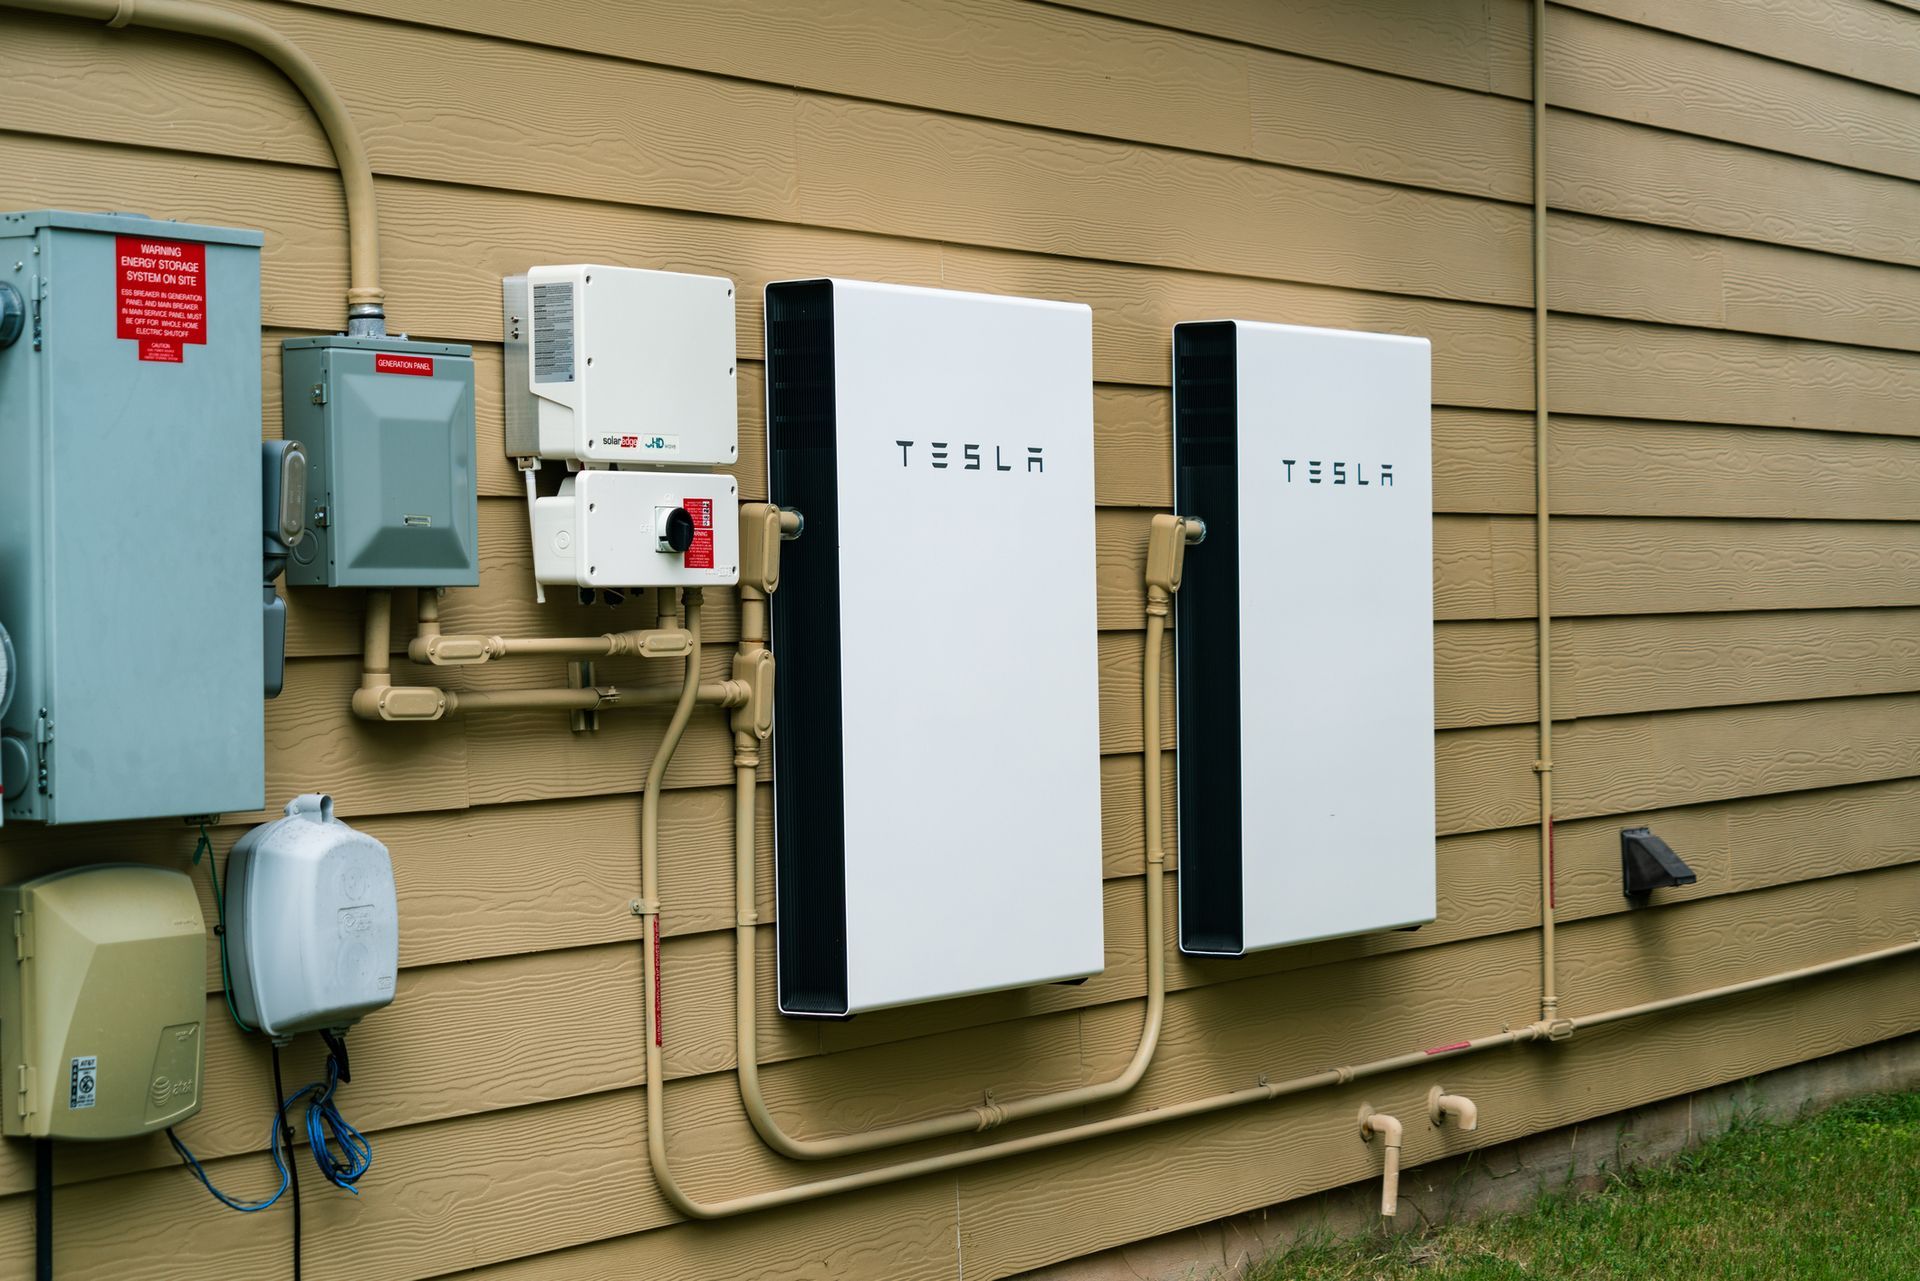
(102, 993)
(130, 500)
(388, 428)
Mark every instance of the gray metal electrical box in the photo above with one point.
(130, 517)
(388, 428)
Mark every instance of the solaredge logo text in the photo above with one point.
(942, 455)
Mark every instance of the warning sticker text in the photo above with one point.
(160, 289)
(700, 551)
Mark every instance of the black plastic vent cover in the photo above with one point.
(1207, 638)
(808, 772)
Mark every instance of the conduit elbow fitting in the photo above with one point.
(754, 713)
(449, 651)
(1441, 1105)
(400, 703)
(1391, 1132)
(1168, 538)
(658, 642)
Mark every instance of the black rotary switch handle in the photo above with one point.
(677, 532)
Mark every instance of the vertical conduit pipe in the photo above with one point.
(366, 310)
(1543, 765)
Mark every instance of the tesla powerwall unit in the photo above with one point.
(1304, 634)
(936, 747)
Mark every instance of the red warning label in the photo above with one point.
(160, 289)
(700, 552)
(420, 366)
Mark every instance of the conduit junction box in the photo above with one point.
(936, 747)
(1304, 634)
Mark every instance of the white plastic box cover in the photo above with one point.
(620, 365)
(1304, 634)
(313, 924)
(937, 754)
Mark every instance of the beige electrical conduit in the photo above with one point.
(648, 907)
(365, 299)
(379, 699)
(990, 1113)
(1543, 605)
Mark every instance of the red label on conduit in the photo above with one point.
(1448, 1049)
(419, 366)
(700, 552)
(160, 295)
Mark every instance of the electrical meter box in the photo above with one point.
(130, 499)
(101, 1003)
(623, 529)
(620, 365)
(313, 923)
(388, 429)
(1304, 636)
(937, 739)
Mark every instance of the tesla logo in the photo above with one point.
(943, 455)
(1315, 472)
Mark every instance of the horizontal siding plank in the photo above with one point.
(1614, 169)
(1862, 39)
(1638, 74)
(1621, 467)
(1616, 764)
(1457, 42)
(1623, 370)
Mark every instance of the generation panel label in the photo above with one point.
(160, 295)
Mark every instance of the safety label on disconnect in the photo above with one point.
(80, 1082)
(160, 289)
(700, 550)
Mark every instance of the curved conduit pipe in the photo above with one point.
(648, 907)
(989, 1114)
(366, 301)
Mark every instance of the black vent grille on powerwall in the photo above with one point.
(936, 741)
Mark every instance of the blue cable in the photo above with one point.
(326, 1131)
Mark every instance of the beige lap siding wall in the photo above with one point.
(1735, 370)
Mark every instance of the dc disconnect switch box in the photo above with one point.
(388, 429)
(130, 500)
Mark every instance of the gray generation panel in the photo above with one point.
(391, 495)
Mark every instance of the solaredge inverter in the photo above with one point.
(936, 746)
(1304, 634)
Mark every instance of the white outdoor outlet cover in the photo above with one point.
(313, 932)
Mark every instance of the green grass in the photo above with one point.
(1833, 1195)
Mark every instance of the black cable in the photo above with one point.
(43, 1209)
(293, 1166)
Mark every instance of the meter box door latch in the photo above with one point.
(389, 433)
(621, 366)
(130, 495)
(620, 529)
(1305, 770)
